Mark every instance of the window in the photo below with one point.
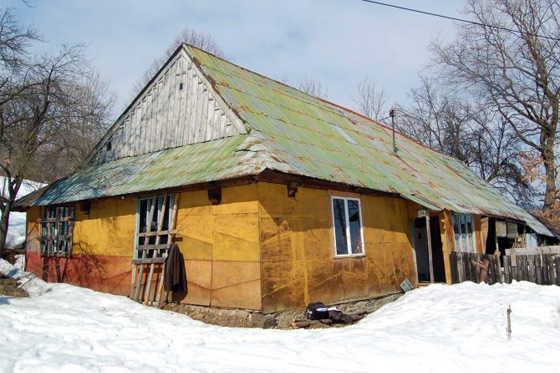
(57, 226)
(347, 221)
(153, 216)
(463, 227)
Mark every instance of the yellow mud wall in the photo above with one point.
(220, 244)
(298, 254)
(103, 240)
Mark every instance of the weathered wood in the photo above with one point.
(454, 270)
(157, 233)
(557, 266)
(483, 270)
(172, 226)
(430, 253)
(147, 261)
(165, 116)
(132, 280)
(162, 246)
(148, 228)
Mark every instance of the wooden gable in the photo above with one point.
(178, 107)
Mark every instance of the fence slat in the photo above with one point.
(557, 265)
(539, 268)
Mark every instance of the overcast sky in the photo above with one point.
(337, 42)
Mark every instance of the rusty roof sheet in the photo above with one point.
(322, 140)
(191, 164)
(298, 134)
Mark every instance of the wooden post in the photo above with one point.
(509, 322)
(158, 239)
(148, 229)
(159, 289)
(430, 256)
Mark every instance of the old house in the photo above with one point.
(274, 197)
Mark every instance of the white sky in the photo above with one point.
(335, 41)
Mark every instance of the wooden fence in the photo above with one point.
(542, 269)
(474, 267)
(539, 265)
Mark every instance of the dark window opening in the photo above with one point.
(57, 226)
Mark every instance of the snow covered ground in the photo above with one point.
(16, 228)
(458, 328)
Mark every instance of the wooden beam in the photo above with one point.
(430, 255)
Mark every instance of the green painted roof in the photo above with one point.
(294, 133)
(319, 139)
(198, 163)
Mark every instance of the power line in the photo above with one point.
(458, 19)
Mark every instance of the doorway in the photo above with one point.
(420, 243)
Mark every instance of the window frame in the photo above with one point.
(361, 249)
(165, 226)
(465, 238)
(59, 218)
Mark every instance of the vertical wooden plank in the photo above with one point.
(546, 269)
(146, 240)
(498, 269)
(133, 280)
(460, 268)
(172, 225)
(539, 269)
(161, 217)
(203, 129)
(531, 268)
(557, 267)
(453, 264)
(525, 268)
(507, 268)
(430, 256)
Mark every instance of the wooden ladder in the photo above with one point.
(140, 282)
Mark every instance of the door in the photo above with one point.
(420, 242)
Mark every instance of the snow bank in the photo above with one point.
(27, 281)
(458, 328)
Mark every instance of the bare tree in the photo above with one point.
(199, 39)
(514, 63)
(14, 40)
(371, 99)
(313, 87)
(43, 100)
(466, 128)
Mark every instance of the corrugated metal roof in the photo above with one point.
(322, 140)
(192, 164)
(298, 134)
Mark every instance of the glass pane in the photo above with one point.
(355, 222)
(470, 230)
(463, 233)
(457, 232)
(339, 217)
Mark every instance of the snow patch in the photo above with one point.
(438, 328)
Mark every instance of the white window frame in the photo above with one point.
(464, 241)
(362, 248)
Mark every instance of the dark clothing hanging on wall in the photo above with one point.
(175, 275)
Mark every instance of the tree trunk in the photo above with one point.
(4, 221)
(550, 176)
